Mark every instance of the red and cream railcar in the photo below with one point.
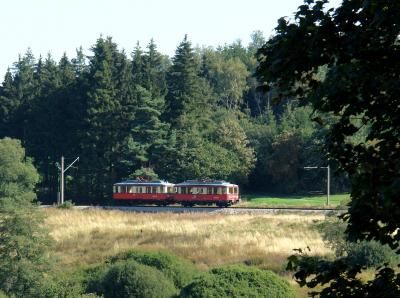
(142, 192)
(206, 192)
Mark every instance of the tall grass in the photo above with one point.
(89, 236)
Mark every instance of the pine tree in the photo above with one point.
(109, 142)
(8, 104)
(138, 66)
(187, 91)
(154, 73)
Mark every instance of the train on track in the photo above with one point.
(187, 193)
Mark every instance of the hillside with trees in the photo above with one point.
(196, 115)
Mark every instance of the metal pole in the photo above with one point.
(62, 181)
(328, 186)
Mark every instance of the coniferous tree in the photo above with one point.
(24, 93)
(188, 96)
(8, 104)
(100, 126)
(154, 74)
(138, 66)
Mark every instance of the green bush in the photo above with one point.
(60, 285)
(364, 253)
(66, 205)
(178, 270)
(131, 279)
(238, 281)
(92, 277)
(371, 254)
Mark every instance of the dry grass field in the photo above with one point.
(89, 236)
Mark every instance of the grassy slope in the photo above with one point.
(290, 201)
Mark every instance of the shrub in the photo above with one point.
(178, 270)
(92, 277)
(333, 230)
(60, 284)
(364, 253)
(131, 279)
(66, 205)
(238, 281)
(371, 254)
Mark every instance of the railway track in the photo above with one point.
(209, 209)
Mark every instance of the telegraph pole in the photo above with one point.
(328, 186)
(62, 181)
(62, 171)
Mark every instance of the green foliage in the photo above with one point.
(371, 254)
(131, 279)
(68, 204)
(24, 243)
(17, 176)
(364, 253)
(227, 77)
(238, 281)
(333, 230)
(146, 174)
(357, 90)
(60, 285)
(91, 277)
(178, 270)
(198, 115)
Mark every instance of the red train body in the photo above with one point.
(188, 193)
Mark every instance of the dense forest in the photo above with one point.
(197, 115)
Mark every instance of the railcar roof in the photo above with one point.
(140, 182)
(205, 183)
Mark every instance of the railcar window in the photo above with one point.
(209, 190)
(183, 190)
(224, 190)
(154, 189)
(235, 190)
(231, 190)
